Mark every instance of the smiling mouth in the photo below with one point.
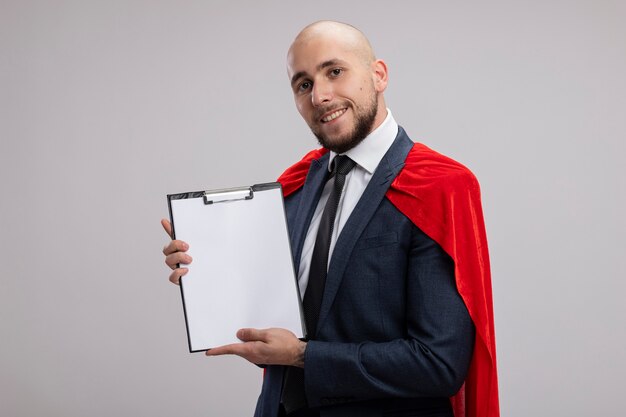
(332, 116)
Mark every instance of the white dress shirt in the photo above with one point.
(367, 156)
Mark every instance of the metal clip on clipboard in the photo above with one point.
(228, 194)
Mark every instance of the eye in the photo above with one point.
(336, 72)
(304, 86)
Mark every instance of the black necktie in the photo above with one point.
(293, 397)
(319, 260)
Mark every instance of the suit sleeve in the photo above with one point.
(430, 359)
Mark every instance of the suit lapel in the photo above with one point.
(387, 170)
(311, 192)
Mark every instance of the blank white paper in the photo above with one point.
(242, 273)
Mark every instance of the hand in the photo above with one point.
(265, 347)
(175, 253)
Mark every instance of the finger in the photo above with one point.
(177, 258)
(175, 246)
(252, 335)
(176, 275)
(232, 349)
(167, 226)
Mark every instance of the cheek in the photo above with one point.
(303, 108)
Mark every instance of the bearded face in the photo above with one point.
(337, 91)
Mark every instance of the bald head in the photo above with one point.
(337, 83)
(342, 34)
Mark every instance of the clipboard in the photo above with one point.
(242, 273)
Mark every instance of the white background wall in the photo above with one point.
(107, 106)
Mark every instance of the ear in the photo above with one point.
(379, 73)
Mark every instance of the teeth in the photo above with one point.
(333, 115)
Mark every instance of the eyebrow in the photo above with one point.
(325, 64)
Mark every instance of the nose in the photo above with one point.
(321, 93)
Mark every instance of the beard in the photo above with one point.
(363, 123)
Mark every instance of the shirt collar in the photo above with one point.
(371, 150)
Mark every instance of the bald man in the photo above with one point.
(388, 332)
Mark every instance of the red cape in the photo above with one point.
(442, 198)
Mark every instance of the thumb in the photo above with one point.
(251, 335)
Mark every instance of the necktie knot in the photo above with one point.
(343, 164)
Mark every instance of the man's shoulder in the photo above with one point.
(293, 177)
(425, 167)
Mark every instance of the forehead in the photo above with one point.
(306, 56)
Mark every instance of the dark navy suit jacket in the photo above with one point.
(393, 332)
